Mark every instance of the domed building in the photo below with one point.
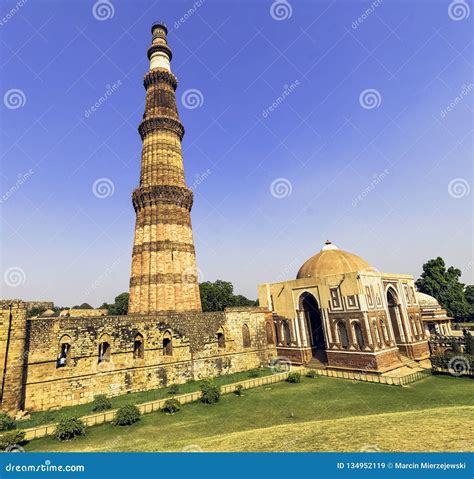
(343, 313)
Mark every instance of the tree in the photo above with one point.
(469, 295)
(119, 307)
(444, 285)
(219, 295)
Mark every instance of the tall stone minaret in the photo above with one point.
(164, 274)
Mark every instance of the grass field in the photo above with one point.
(323, 414)
(47, 417)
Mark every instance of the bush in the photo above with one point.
(127, 415)
(294, 378)
(210, 393)
(101, 403)
(6, 422)
(173, 390)
(171, 406)
(470, 344)
(311, 374)
(238, 390)
(254, 374)
(11, 438)
(68, 428)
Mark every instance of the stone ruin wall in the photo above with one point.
(35, 382)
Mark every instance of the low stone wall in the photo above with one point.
(375, 378)
(145, 408)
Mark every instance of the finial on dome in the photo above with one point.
(329, 246)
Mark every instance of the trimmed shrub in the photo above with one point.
(210, 393)
(6, 422)
(238, 390)
(101, 403)
(294, 378)
(254, 374)
(171, 406)
(173, 390)
(311, 374)
(470, 344)
(11, 438)
(127, 415)
(68, 428)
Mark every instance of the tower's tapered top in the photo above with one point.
(159, 52)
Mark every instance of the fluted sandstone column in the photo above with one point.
(164, 275)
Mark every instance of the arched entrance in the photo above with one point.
(314, 323)
(394, 312)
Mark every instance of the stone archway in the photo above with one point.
(314, 323)
(394, 314)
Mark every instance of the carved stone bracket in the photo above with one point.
(160, 122)
(162, 194)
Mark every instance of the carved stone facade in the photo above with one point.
(342, 313)
(164, 274)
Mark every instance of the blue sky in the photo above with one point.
(360, 147)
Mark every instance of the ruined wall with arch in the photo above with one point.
(194, 353)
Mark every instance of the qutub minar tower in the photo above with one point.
(164, 275)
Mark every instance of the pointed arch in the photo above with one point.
(246, 336)
(167, 343)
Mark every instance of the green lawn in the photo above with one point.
(435, 414)
(47, 417)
